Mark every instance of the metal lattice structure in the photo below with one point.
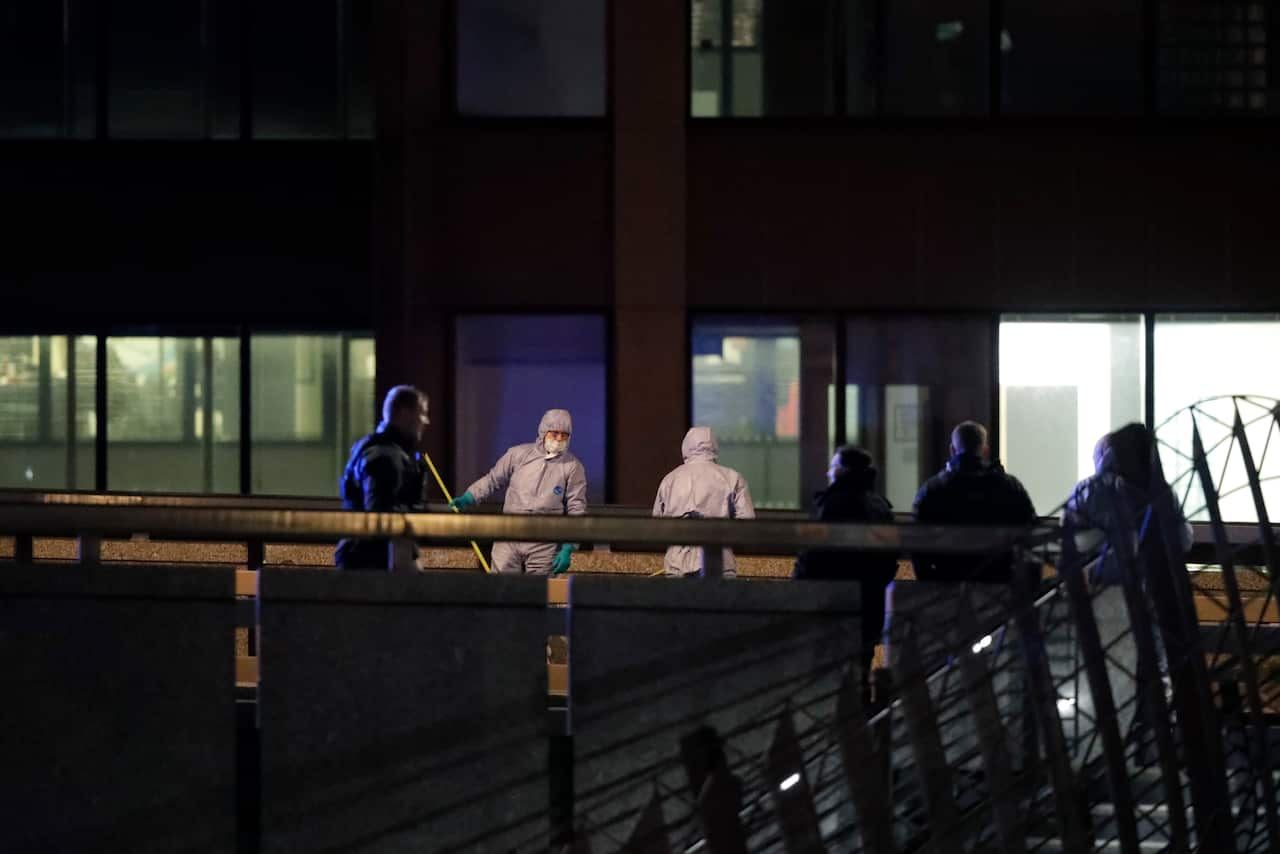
(1057, 715)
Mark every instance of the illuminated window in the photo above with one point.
(1202, 357)
(511, 369)
(41, 383)
(312, 398)
(173, 414)
(1065, 381)
(746, 387)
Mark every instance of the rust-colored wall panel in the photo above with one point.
(526, 218)
(1021, 218)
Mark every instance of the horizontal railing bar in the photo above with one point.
(318, 525)
(1237, 533)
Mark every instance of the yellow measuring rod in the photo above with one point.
(447, 497)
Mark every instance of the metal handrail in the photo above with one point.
(1238, 533)
(213, 523)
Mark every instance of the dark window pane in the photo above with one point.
(828, 57)
(227, 27)
(510, 370)
(83, 26)
(1212, 57)
(1082, 57)
(935, 57)
(297, 442)
(31, 68)
(295, 69)
(911, 380)
(359, 50)
(531, 58)
(157, 61)
(862, 57)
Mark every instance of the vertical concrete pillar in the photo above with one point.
(650, 379)
(408, 268)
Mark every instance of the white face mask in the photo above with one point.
(554, 446)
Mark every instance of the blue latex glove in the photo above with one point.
(463, 501)
(560, 564)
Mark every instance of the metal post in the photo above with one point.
(726, 57)
(23, 549)
(712, 563)
(100, 407)
(89, 549)
(70, 404)
(246, 413)
(559, 709)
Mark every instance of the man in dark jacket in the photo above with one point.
(384, 474)
(971, 490)
(851, 497)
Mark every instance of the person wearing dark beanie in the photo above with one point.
(851, 497)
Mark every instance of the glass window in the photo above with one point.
(38, 386)
(296, 446)
(227, 33)
(295, 69)
(172, 418)
(222, 422)
(856, 57)
(157, 68)
(1202, 357)
(363, 409)
(312, 398)
(531, 58)
(510, 369)
(765, 388)
(935, 57)
(1080, 57)
(914, 378)
(1213, 58)
(32, 95)
(729, 81)
(1065, 381)
(358, 44)
(22, 362)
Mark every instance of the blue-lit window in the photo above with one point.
(510, 369)
(911, 379)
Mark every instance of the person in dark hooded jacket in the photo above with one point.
(851, 497)
(971, 490)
